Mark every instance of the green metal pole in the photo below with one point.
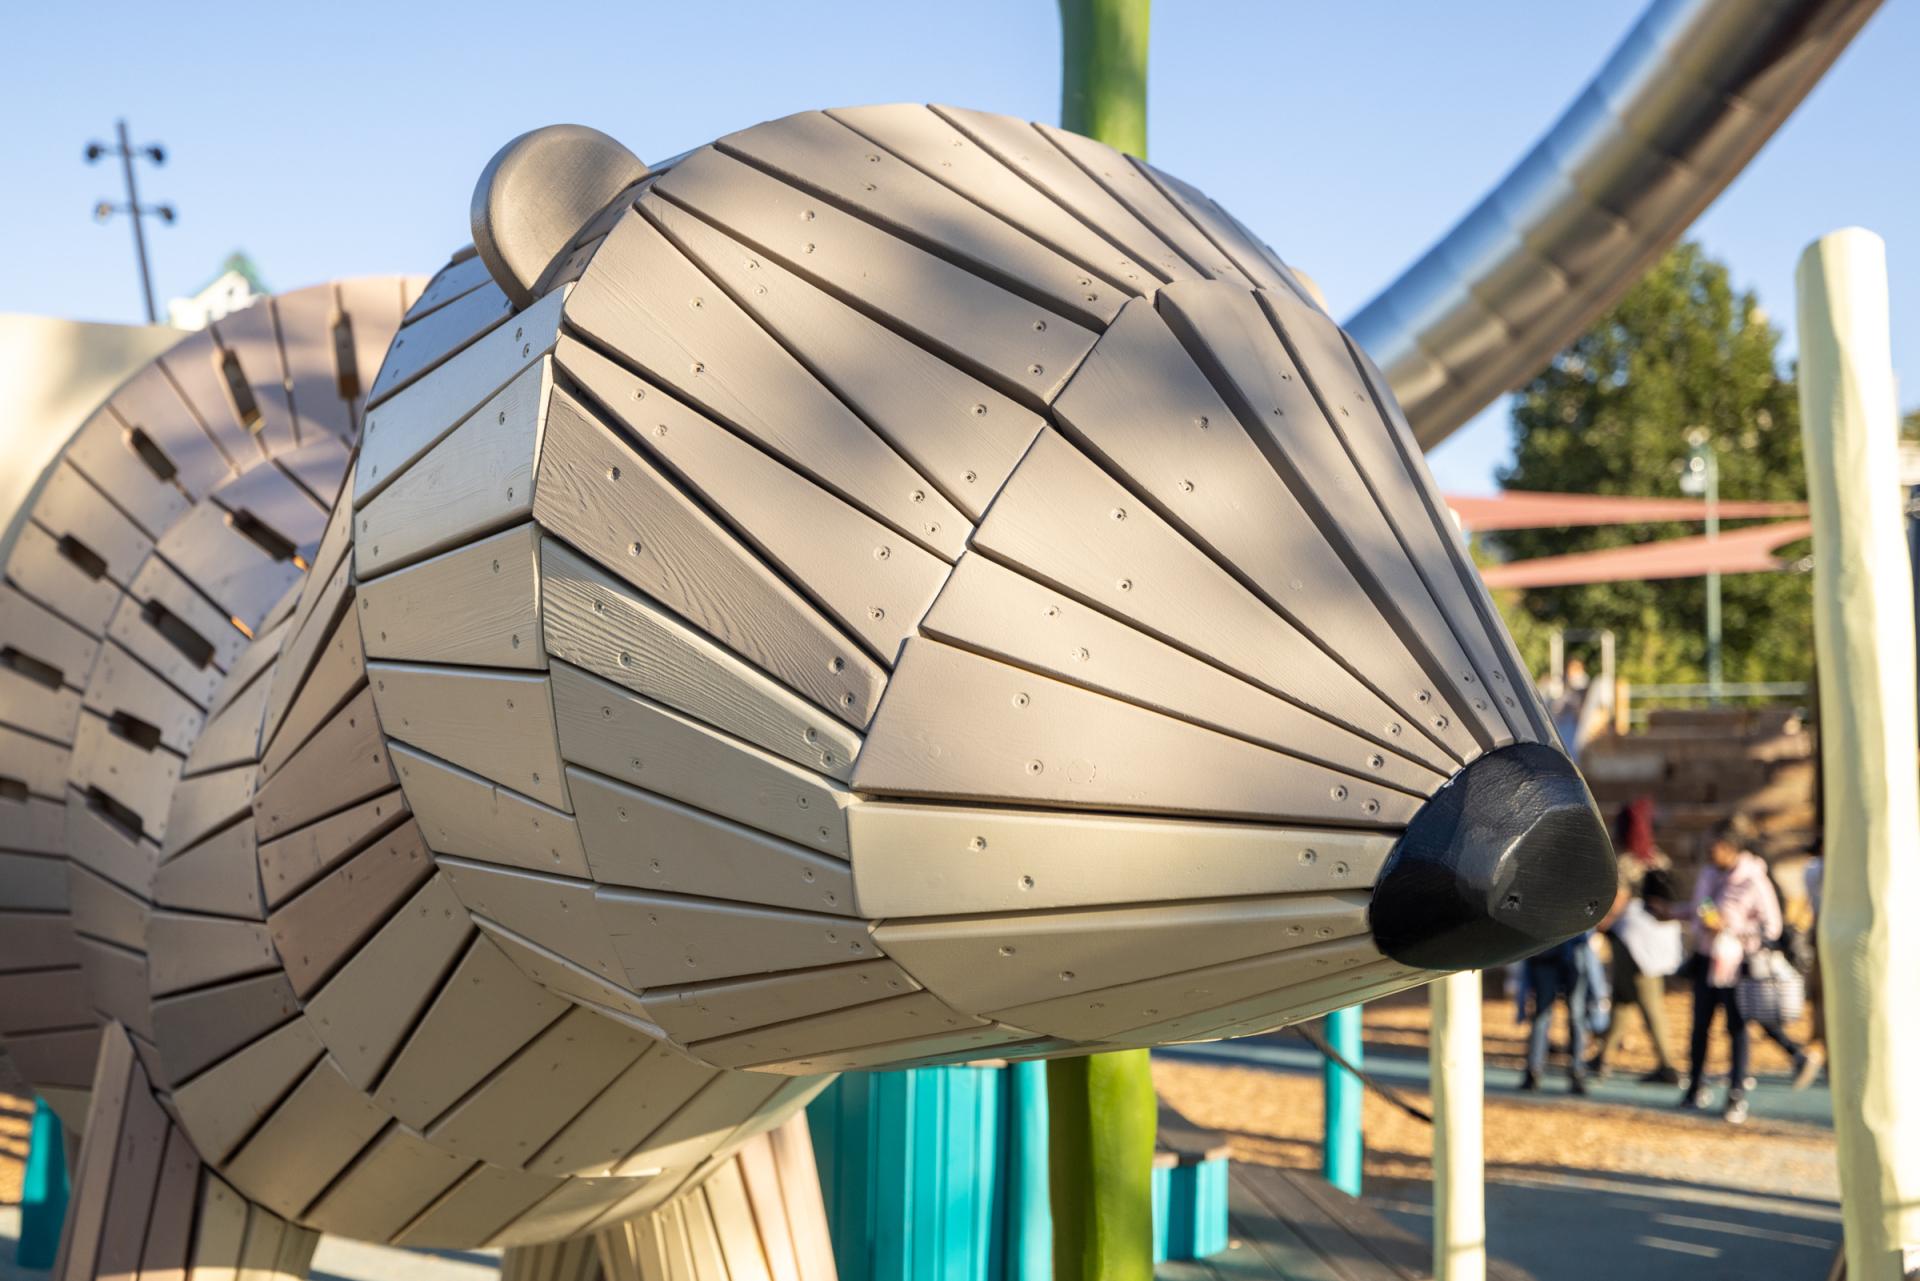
(1341, 1156)
(1101, 1110)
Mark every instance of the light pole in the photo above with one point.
(105, 209)
(1702, 477)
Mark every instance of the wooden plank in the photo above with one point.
(320, 467)
(874, 583)
(232, 735)
(993, 963)
(497, 724)
(36, 941)
(275, 501)
(116, 1079)
(135, 469)
(375, 304)
(117, 985)
(251, 339)
(54, 1060)
(1248, 252)
(637, 1102)
(1341, 987)
(929, 860)
(1345, 1252)
(300, 639)
(40, 567)
(958, 432)
(307, 1140)
(176, 631)
(966, 1045)
(666, 939)
(37, 764)
(326, 924)
(225, 1103)
(320, 390)
(203, 804)
(364, 1011)
(643, 528)
(694, 1131)
(30, 628)
(291, 863)
(34, 882)
(646, 302)
(427, 341)
(339, 671)
(35, 702)
(106, 911)
(701, 1010)
(220, 875)
(478, 479)
(416, 419)
(164, 1256)
(220, 1231)
(69, 507)
(555, 912)
(485, 1013)
(564, 975)
(475, 1208)
(958, 725)
(210, 549)
(123, 686)
(760, 1181)
(462, 813)
(197, 1029)
(98, 839)
(193, 366)
(636, 838)
(391, 1183)
(595, 622)
(254, 664)
(191, 951)
(478, 604)
(1268, 1237)
(345, 762)
(999, 335)
(139, 779)
(313, 622)
(41, 999)
(619, 734)
(452, 281)
(573, 1205)
(898, 1018)
(150, 403)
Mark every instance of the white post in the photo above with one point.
(1863, 629)
(1459, 1171)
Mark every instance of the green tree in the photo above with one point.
(1611, 415)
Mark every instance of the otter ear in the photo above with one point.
(537, 194)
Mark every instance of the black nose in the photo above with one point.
(1509, 858)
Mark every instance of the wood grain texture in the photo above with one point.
(176, 631)
(220, 876)
(69, 507)
(555, 912)
(197, 1029)
(150, 403)
(189, 950)
(465, 814)
(204, 804)
(103, 451)
(475, 1209)
(478, 604)
(426, 341)
(136, 777)
(343, 763)
(40, 568)
(667, 939)
(274, 499)
(338, 673)
(293, 862)
(221, 1105)
(450, 282)
(122, 686)
(208, 547)
(316, 619)
(309, 1138)
(914, 1015)
(328, 923)
(396, 1178)
(498, 724)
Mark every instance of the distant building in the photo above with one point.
(237, 285)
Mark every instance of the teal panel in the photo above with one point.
(43, 1198)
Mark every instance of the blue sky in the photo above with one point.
(344, 138)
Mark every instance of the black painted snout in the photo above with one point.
(1507, 859)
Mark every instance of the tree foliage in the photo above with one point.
(1611, 415)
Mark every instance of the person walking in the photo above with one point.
(1735, 914)
(1554, 976)
(1645, 952)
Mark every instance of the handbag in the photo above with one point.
(1771, 991)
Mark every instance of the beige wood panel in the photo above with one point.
(69, 507)
(329, 921)
(365, 1010)
(320, 466)
(963, 1045)
(33, 701)
(275, 500)
(170, 1231)
(320, 389)
(197, 1029)
(138, 779)
(899, 1018)
(291, 863)
(518, 1108)
(497, 724)
(176, 631)
(995, 963)
(957, 431)
(928, 860)
(1262, 1014)
(595, 622)
(39, 567)
(462, 813)
(416, 419)
(427, 341)
(220, 1231)
(475, 1208)
(133, 468)
(555, 912)
(205, 803)
(573, 1205)
(33, 824)
(641, 1099)
(701, 1010)
(693, 1132)
(117, 985)
(566, 977)
(232, 735)
(376, 304)
(314, 621)
(1022, 148)
(209, 548)
(327, 561)
(479, 478)
(344, 762)
(934, 147)
(314, 1133)
(56, 1060)
(35, 941)
(637, 838)
(643, 528)
(223, 1104)
(958, 725)
(739, 1233)
(149, 403)
(41, 998)
(254, 664)
(35, 763)
(106, 911)
(645, 301)
(123, 686)
(117, 1080)
(193, 365)
(250, 338)
(1110, 1012)
(30, 628)
(873, 582)
(450, 282)
(478, 604)
(393, 1181)
(35, 882)
(486, 1011)
(1254, 370)
(667, 939)
(1249, 253)
(219, 876)
(189, 950)
(992, 610)
(339, 672)
(1026, 350)
(97, 838)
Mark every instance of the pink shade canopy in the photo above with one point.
(1743, 551)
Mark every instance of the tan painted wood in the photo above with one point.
(364, 1011)
(874, 583)
(638, 1101)
(1263, 1014)
(427, 341)
(976, 322)
(693, 1132)
(476, 480)
(35, 763)
(462, 813)
(310, 1137)
(452, 281)
(70, 507)
(116, 1077)
(616, 733)
(314, 621)
(475, 1208)
(176, 632)
(393, 1181)
(961, 1046)
(197, 1029)
(485, 1013)
(645, 301)
(927, 860)
(169, 1234)
(56, 1060)
(668, 939)
(319, 466)
(41, 999)
(899, 1018)
(1247, 251)
(497, 724)
(291, 863)
(278, 502)
(117, 985)
(203, 804)
(220, 1232)
(335, 544)
(327, 924)
(478, 604)
(98, 840)
(49, 711)
(141, 779)
(957, 431)
(376, 304)
(991, 963)
(33, 824)
(31, 628)
(555, 912)
(339, 672)
(39, 568)
(254, 664)
(416, 419)
(103, 910)
(191, 951)
(567, 977)
(193, 366)
(208, 548)
(219, 876)
(252, 338)
(958, 725)
(35, 883)
(150, 403)
(995, 611)
(343, 763)
(636, 838)
(702, 1010)
(104, 452)
(571, 1209)
(232, 735)
(644, 529)
(308, 319)
(760, 1182)
(122, 685)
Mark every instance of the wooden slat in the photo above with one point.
(666, 939)
(693, 1132)
(193, 365)
(760, 1181)
(37, 764)
(220, 875)
(343, 763)
(35, 941)
(35, 883)
(309, 1138)
(40, 1000)
(897, 1018)
(190, 951)
(1252, 256)
(1349, 986)
(55, 1060)
(325, 589)
(106, 911)
(197, 1029)
(698, 1011)
(462, 813)
(205, 803)
(307, 318)
(232, 735)
(175, 631)
(277, 501)
(97, 840)
(116, 1078)
(339, 668)
(320, 466)
(38, 567)
(450, 282)
(151, 403)
(376, 304)
(103, 450)
(562, 974)
(117, 985)
(498, 724)
(30, 628)
(291, 863)
(478, 604)
(396, 1178)
(556, 912)
(475, 1208)
(637, 1102)
(253, 340)
(240, 576)
(122, 684)
(70, 507)
(1346, 1254)
(328, 922)
(164, 1256)
(139, 778)
(427, 341)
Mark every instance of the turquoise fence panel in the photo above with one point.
(1028, 1221)
(43, 1197)
(1342, 1157)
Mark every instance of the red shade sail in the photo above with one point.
(1527, 509)
(1744, 551)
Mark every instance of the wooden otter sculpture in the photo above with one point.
(893, 586)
